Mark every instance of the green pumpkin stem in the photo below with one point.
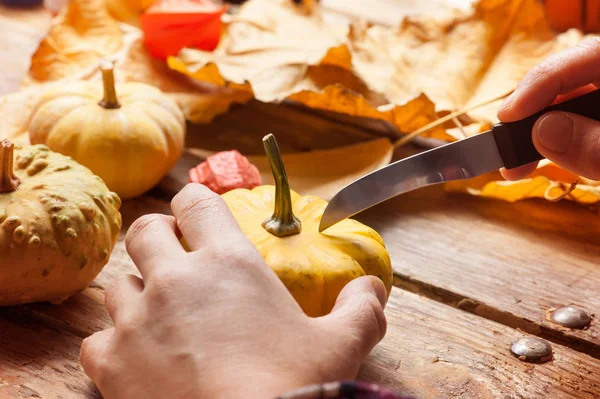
(110, 100)
(283, 223)
(8, 181)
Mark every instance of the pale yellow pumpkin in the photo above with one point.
(131, 142)
(284, 227)
(58, 225)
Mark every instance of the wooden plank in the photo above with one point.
(434, 351)
(507, 262)
(431, 349)
(38, 360)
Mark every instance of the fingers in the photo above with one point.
(560, 74)
(92, 349)
(520, 172)
(151, 241)
(203, 217)
(358, 315)
(125, 291)
(571, 141)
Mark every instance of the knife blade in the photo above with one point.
(507, 145)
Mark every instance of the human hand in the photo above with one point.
(567, 139)
(217, 322)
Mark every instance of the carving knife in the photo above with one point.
(507, 145)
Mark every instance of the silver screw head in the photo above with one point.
(571, 317)
(533, 350)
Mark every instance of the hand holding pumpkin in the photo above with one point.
(217, 321)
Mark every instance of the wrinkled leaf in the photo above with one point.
(267, 48)
(530, 42)
(324, 172)
(85, 33)
(277, 51)
(82, 34)
(200, 102)
(549, 181)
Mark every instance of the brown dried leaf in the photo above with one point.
(200, 102)
(324, 172)
(530, 42)
(267, 48)
(80, 36)
(275, 51)
(86, 33)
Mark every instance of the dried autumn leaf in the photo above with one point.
(549, 181)
(277, 51)
(200, 103)
(324, 172)
(128, 11)
(530, 42)
(86, 33)
(81, 35)
(267, 48)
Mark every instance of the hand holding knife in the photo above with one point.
(506, 145)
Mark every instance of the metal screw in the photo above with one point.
(571, 317)
(533, 350)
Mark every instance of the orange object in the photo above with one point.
(567, 14)
(226, 171)
(170, 25)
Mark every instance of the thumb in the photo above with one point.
(358, 318)
(571, 141)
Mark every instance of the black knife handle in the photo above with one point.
(514, 139)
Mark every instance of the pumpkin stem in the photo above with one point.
(283, 222)
(8, 181)
(110, 100)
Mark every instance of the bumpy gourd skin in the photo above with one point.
(313, 266)
(130, 147)
(57, 229)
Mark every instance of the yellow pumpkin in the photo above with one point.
(284, 227)
(58, 225)
(130, 142)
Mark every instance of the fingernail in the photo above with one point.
(555, 132)
(380, 291)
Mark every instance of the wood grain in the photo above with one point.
(39, 360)
(431, 349)
(507, 262)
(434, 351)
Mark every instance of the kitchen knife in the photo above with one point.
(507, 145)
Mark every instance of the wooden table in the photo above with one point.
(471, 276)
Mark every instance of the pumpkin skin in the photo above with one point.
(57, 229)
(313, 266)
(131, 147)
